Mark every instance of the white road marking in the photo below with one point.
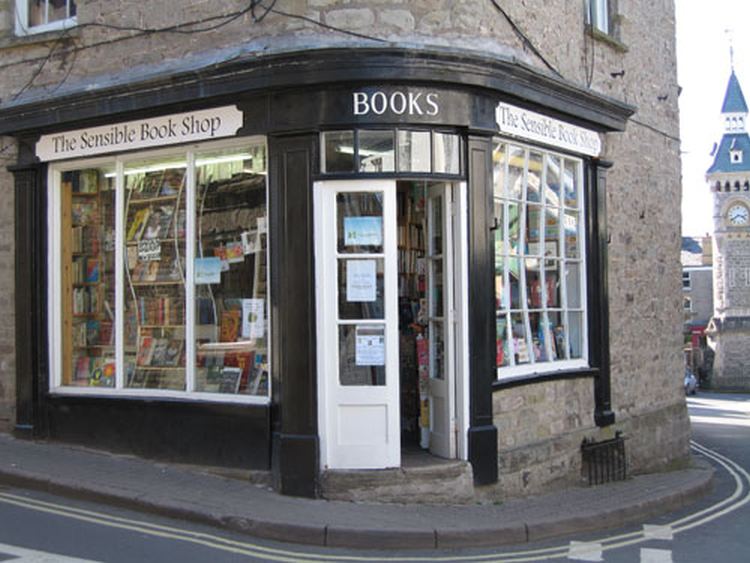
(650, 555)
(23, 555)
(657, 532)
(585, 551)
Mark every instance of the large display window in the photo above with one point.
(540, 269)
(160, 274)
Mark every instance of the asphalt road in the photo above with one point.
(36, 527)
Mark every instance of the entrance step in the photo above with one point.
(421, 479)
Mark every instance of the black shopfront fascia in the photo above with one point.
(291, 103)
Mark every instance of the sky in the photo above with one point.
(703, 69)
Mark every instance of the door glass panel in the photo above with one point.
(359, 220)
(361, 289)
(436, 289)
(436, 226)
(437, 350)
(362, 355)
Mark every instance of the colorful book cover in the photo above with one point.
(138, 224)
(230, 325)
(92, 270)
(145, 351)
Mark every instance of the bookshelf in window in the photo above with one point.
(155, 274)
(87, 278)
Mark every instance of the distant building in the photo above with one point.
(729, 179)
(698, 300)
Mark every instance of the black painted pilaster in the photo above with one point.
(482, 434)
(295, 448)
(597, 271)
(30, 300)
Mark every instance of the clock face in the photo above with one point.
(738, 214)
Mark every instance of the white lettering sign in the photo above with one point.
(526, 124)
(397, 103)
(165, 130)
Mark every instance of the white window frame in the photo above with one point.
(533, 368)
(22, 20)
(54, 291)
(597, 15)
(687, 303)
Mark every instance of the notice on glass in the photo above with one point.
(363, 231)
(207, 270)
(361, 281)
(253, 325)
(370, 347)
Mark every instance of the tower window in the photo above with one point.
(735, 156)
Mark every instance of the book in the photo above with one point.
(173, 353)
(82, 368)
(171, 182)
(230, 380)
(159, 355)
(229, 329)
(145, 350)
(138, 224)
(92, 270)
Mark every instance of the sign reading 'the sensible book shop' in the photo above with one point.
(158, 131)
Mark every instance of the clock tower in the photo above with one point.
(729, 180)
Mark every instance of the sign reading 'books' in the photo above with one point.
(158, 131)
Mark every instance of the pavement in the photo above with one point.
(239, 505)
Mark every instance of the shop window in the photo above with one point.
(388, 151)
(36, 16)
(162, 275)
(540, 269)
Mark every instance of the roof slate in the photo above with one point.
(722, 161)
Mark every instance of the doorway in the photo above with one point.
(392, 350)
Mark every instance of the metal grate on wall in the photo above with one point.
(604, 462)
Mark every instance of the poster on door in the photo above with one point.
(363, 231)
(370, 346)
(361, 281)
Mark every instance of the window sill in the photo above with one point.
(11, 40)
(532, 378)
(610, 40)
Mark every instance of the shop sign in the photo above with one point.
(519, 122)
(159, 131)
(396, 102)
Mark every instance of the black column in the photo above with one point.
(30, 280)
(482, 432)
(597, 243)
(295, 440)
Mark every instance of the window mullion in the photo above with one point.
(119, 275)
(522, 269)
(190, 237)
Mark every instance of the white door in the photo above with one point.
(441, 321)
(357, 321)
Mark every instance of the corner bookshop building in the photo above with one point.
(308, 268)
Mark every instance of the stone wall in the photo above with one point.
(7, 283)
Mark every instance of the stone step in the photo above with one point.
(421, 479)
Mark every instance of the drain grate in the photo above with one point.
(604, 461)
